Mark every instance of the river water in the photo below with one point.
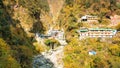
(50, 59)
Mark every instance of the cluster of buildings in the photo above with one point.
(96, 32)
(58, 35)
(55, 34)
(83, 32)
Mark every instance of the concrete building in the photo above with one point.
(56, 34)
(88, 18)
(96, 32)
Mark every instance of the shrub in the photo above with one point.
(114, 49)
(24, 55)
(52, 43)
(39, 47)
(6, 59)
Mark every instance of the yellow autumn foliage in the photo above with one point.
(40, 48)
(77, 56)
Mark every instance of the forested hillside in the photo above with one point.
(20, 20)
(77, 51)
(74, 9)
(17, 19)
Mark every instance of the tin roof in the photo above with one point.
(97, 29)
(83, 30)
(105, 29)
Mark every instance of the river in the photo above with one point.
(50, 59)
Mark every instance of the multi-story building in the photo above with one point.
(96, 32)
(56, 34)
(89, 18)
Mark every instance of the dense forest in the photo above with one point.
(16, 46)
(21, 19)
(77, 51)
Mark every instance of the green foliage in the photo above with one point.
(118, 5)
(24, 55)
(99, 62)
(35, 8)
(118, 27)
(105, 22)
(39, 47)
(6, 59)
(106, 56)
(16, 51)
(114, 49)
(51, 42)
(90, 7)
(69, 2)
(1, 12)
(115, 62)
(87, 4)
(38, 27)
(35, 5)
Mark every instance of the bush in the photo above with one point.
(24, 55)
(39, 47)
(105, 57)
(118, 27)
(114, 49)
(51, 41)
(6, 59)
(118, 5)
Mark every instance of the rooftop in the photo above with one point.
(105, 29)
(96, 29)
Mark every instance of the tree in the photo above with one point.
(52, 43)
(6, 59)
(37, 27)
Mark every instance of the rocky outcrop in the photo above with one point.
(51, 59)
(41, 62)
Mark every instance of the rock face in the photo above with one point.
(55, 7)
(51, 59)
(41, 62)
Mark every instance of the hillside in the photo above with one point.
(17, 18)
(24, 25)
(77, 52)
